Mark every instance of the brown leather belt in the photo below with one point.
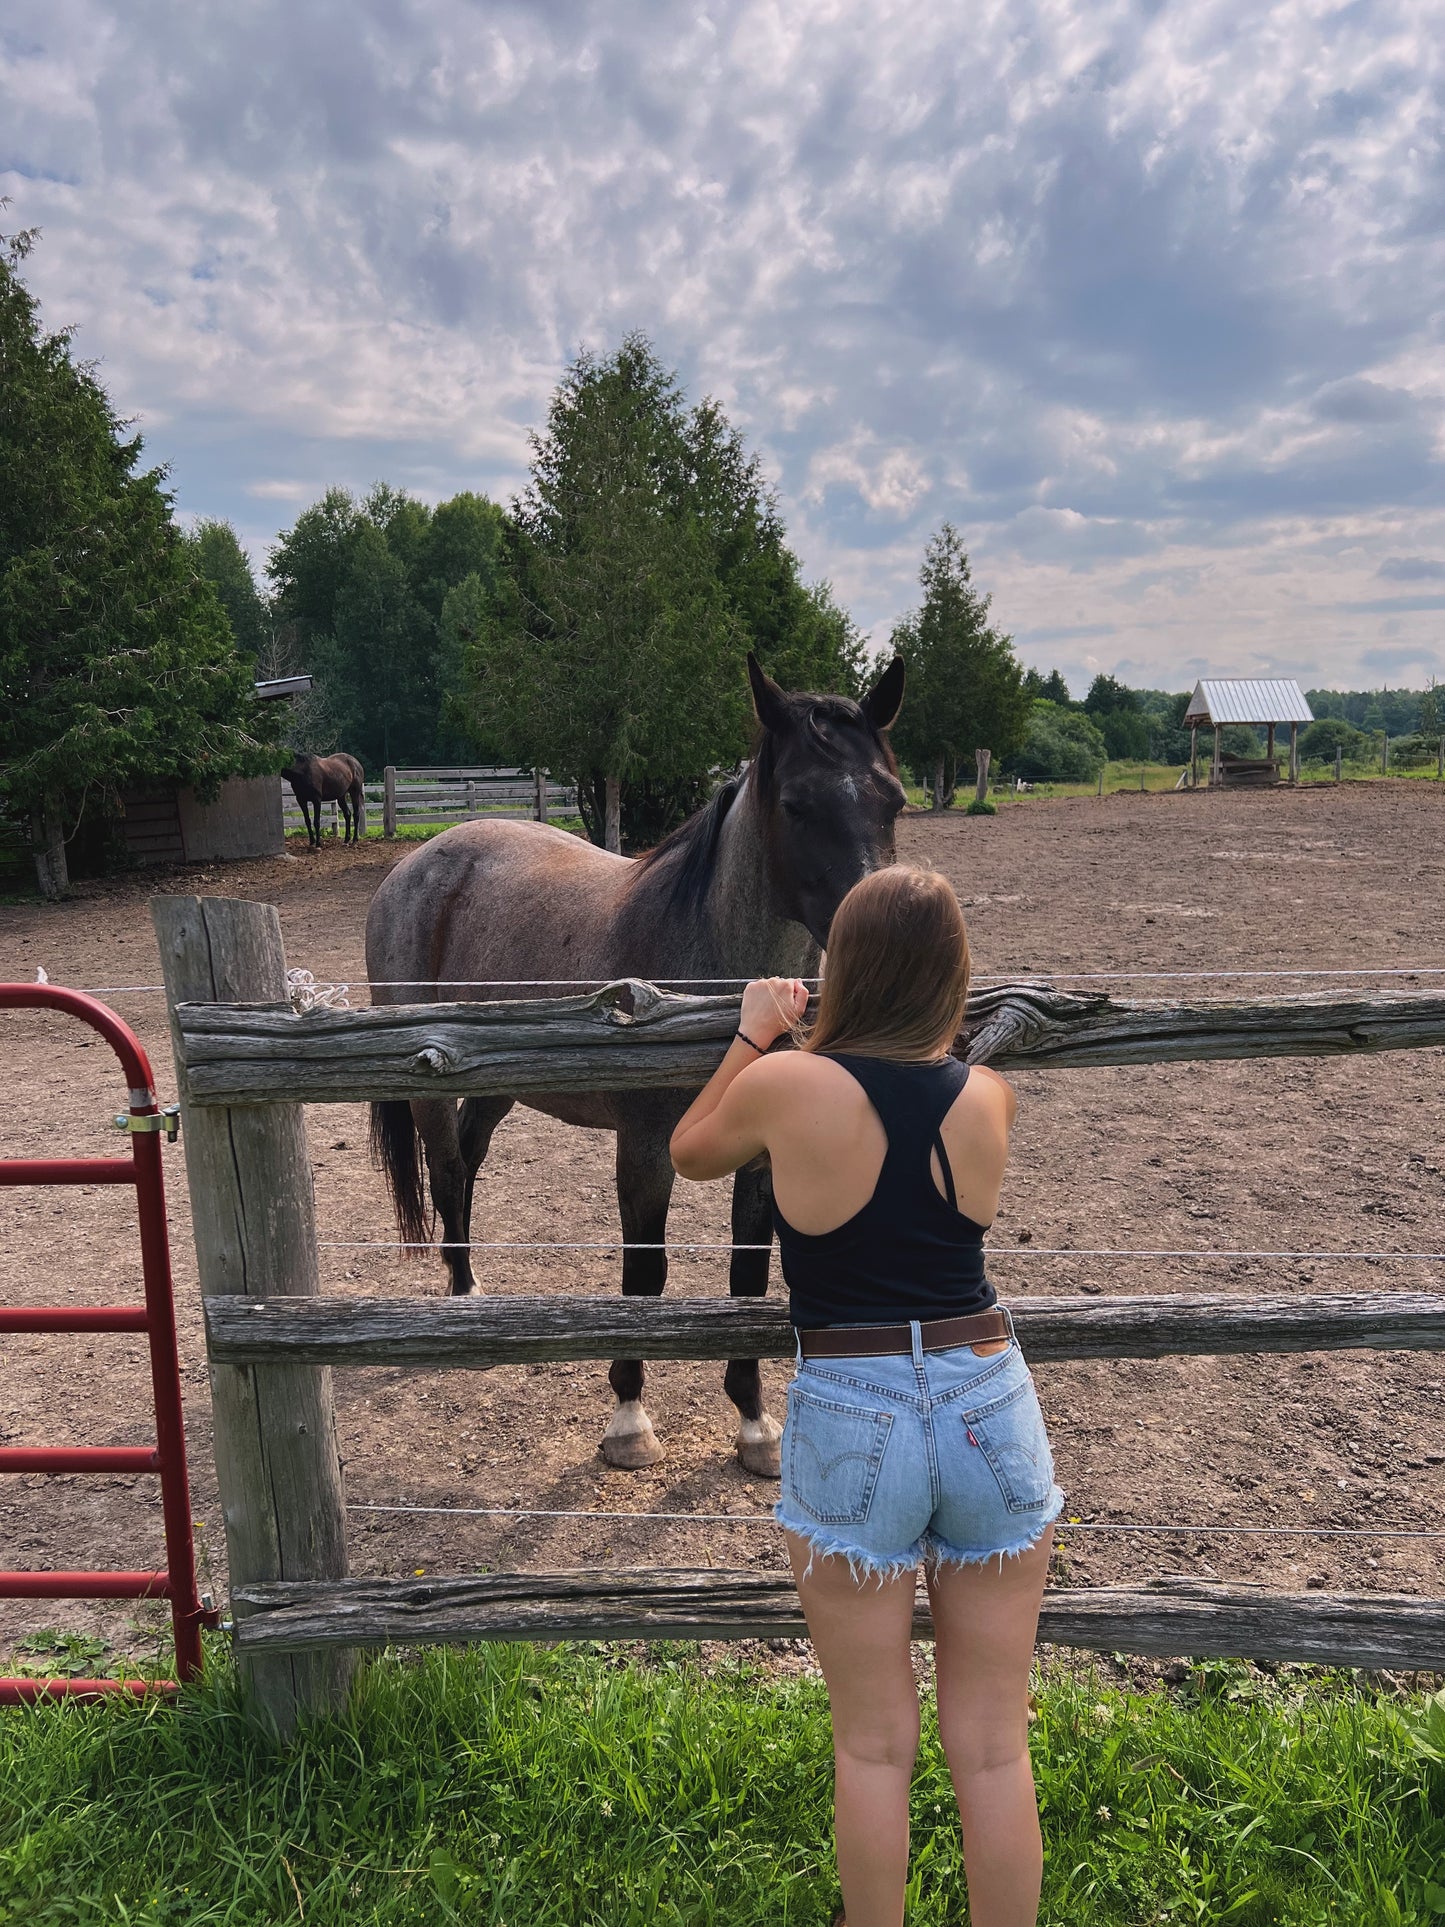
(881, 1341)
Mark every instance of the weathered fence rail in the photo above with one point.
(1178, 1616)
(478, 1334)
(454, 794)
(246, 1062)
(629, 1035)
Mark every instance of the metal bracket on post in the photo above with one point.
(167, 1120)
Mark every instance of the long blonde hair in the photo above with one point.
(897, 972)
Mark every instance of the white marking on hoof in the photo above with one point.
(757, 1446)
(629, 1441)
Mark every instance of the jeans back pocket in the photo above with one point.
(1011, 1435)
(834, 1453)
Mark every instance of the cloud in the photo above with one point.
(1392, 605)
(1421, 663)
(1098, 284)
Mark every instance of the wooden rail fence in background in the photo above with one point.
(246, 1062)
(454, 793)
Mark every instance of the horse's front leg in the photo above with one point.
(644, 1191)
(758, 1431)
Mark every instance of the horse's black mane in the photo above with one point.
(685, 859)
(684, 862)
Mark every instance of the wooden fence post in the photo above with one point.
(541, 803)
(982, 757)
(1384, 752)
(388, 801)
(1339, 763)
(253, 1214)
(1440, 758)
(612, 813)
(1101, 782)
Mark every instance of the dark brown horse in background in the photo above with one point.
(329, 779)
(747, 887)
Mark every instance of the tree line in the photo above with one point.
(597, 626)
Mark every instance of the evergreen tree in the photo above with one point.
(966, 689)
(1049, 689)
(644, 559)
(117, 664)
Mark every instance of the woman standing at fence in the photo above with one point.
(914, 1436)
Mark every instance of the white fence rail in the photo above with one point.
(453, 793)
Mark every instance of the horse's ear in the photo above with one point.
(884, 700)
(769, 702)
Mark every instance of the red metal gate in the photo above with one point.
(145, 1123)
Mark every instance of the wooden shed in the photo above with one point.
(1259, 703)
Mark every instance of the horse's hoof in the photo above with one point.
(629, 1442)
(759, 1446)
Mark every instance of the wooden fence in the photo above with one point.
(246, 1062)
(451, 794)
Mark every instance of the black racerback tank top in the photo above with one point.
(909, 1253)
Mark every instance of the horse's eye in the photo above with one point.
(794, 811)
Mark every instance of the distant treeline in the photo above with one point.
(1070, 742)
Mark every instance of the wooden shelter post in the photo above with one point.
(1194, 756)
(253, 1214)
(1269, 741)
(1294, 752)
(1217, 766)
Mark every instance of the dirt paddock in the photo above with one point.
(1293, 1155)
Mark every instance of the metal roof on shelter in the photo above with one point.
(1239, 699)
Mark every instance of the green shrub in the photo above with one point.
(1318, 743)
(1062, 746)
(979, 806)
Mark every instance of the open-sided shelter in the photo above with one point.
(1264, 703)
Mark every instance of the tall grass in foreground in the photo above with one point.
(521, 1786)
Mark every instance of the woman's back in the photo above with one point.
(885, 1176)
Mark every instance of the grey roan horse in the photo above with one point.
(747, 887)
(328, 779)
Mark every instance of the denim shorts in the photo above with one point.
(940, 1458)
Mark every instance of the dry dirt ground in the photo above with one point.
(1292, 1155)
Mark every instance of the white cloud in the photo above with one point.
(1141, 298)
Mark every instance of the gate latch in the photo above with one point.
(168, 1119)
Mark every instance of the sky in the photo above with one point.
(1147, 299)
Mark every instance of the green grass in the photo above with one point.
(531, 1787)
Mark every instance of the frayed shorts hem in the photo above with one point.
(929, 1550)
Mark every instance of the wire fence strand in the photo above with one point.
(993, 1253)
(1041, 977)
(766, 1519)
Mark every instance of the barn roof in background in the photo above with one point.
(282, 686)
(1241, 699)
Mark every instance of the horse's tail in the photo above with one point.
(396, 1147)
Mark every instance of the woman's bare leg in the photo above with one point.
(985, 1620)
(861, 1632)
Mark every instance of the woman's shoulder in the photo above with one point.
(990, 1089)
